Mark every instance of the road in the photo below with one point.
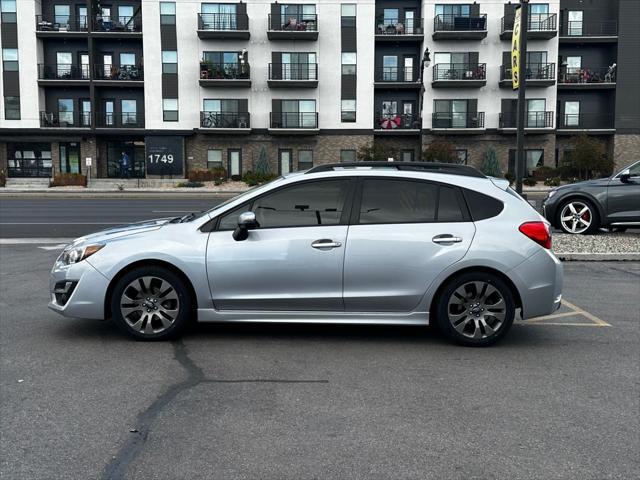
(558, 399)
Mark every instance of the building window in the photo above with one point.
(8, 10)
(305, 159)
(571, 114)
(12, 108)
(574, 26)
(214, 159)
(348, 111)
(169, 61)
(534, 158)
(167, 13)
(348, 63)
(170, 109)
(407, 156)
(461, 155)
(347, 156)
(10, 59)
(348, 14)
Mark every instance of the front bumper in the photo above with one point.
(88, 288)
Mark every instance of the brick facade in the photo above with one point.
(626, 149)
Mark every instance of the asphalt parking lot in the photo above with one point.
(558, 399)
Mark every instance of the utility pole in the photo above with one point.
(522, 87)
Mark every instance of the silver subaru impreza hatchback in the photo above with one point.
(363, 243)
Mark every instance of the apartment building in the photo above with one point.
(187, 85)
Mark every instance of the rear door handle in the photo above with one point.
(446, 239)
(325, 243)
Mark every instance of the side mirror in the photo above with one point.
(625, 175)
(246, 221)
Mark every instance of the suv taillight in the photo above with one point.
(538, 232)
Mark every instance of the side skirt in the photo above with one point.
(348, 318)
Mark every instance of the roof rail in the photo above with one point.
(432, 167)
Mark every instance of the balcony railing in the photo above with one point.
(605, 28)
(293, 71)
(579, 76)
(224, 71)
(65, 119)
(585, 121)
(396, 121)
(459, 23)
(294, 23)
(63, 71)
(294, 120)
(224, 120)
(538, 22)
(458, 120)
(460, 71)
(118, 73)
(397, 74)
(120, 120)
(397, 26)
(223, 21)
(118, 24)
(61, 23)
(532, 120)
(534, 71)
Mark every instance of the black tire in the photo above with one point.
(595, 217)
(474, 315)
(178, 299)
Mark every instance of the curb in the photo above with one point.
(598, 257)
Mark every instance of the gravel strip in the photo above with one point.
(603, 243)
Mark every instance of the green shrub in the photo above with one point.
(440, 151)
(544, 172)
(529, 182)
(490, 164)
(253, 178)
(190, 184)
(552, 182)
(68, 179)
(214, 174)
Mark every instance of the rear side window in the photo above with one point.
(482, 206)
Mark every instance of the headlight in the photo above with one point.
(77, 254)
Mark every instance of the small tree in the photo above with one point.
(490, 164)
(440, 151)
(263, 167)
(587, 158)
(373, 152)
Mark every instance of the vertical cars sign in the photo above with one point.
(164, 155)
(515, 51)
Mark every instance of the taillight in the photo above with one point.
(538, 232)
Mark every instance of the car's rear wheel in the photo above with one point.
(475, 309)
(578, 216)
(151, 303)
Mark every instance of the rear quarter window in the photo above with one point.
(482, 206)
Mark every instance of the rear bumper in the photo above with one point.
(539, 281)
(88, 288)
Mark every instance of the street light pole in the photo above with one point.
(522, 78)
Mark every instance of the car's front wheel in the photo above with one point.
(475, 309)
(578, 216)
(151, 303)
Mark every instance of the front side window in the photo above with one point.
(305, 159)
(214, 159)
(304, 205)
(347, 156)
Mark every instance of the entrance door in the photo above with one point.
(84, 66)
(235, 163)
(285, 161)
(409, 69)
(107, 65)
(85, 112)
(64, 61)
(70, 157)
(82, 17)
(409, 22)
(283, 265)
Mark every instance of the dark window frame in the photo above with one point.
(305, 150)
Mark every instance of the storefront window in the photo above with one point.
(29, 160)
(134, 167)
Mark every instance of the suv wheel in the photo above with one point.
(578, 216)
(475, 309)
(151, 303)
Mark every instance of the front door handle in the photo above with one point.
(325, 243)
(446, 239)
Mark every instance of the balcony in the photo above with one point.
(460, 27)
(225, 122)
(457, 122)
(396, 124)
(293, 75)
(593, 123)
(293, 27)
(225, 75)
(396, 30)
(397, 78)
(537, 74)
(118, 26)
(459, 75)
(534, 121)
(61, 25)
(605, 31)
(574, 78)
(65, 74)
(542, 26)
(301, 123)
(122, 120)
(222, 26)
(71, 119)
(124, 75)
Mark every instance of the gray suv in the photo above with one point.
(584, 207)
(363, 243)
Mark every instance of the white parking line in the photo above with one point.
(575, 311)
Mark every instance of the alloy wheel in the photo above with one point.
(477, 310)
(576, 217)
(149, 305)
